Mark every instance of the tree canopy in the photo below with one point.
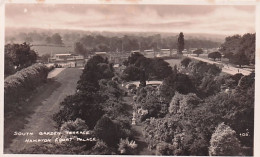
(180, 43)
(198, 52)
(215, 55)
(20, 55)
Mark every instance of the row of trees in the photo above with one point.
(239, 49)
(89, 43)
(97, 106)
(48, 38)
(18, 56)
(20, 86)
(150, 68)
(54, 39)
(196, 110)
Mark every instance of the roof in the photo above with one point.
(100, 53)
(148, 50)
(64, 54)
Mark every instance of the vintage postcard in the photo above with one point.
(142, 77)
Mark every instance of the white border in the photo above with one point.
(155, 2)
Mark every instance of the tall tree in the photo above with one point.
(180, 43)
(80, 49)
(21, 55)
(56, 39)
(198, 52)
(224, 142)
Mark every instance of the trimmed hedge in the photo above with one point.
(19, 87)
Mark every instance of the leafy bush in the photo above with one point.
(19, 86)
(101, 148)
(224, 142)
(126, 146)
(106, 130)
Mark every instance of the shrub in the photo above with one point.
(224, 142)
(126, 146)
(19, 86)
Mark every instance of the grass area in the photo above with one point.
(41, 50)
(173, 62)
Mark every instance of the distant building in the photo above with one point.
(65, 57)
(118, 58)
(164, 53)
(67, 60)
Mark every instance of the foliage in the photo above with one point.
(20, 55)
(185, 62)
(215, 55)
(77, 125)
(155, 69)
(224, 142)
(131, 73)
(45, 58)
(236, 46)
(56, 39)
(20, 86)
(198, 52)
(164, 148)
(81, 105)
(106, 130)
(239, 59)
(101, 148)
(180, 43)
(180, 104)
(176, 82)
(9, 66)
(127, 147)
(54, 148)
(80, 49)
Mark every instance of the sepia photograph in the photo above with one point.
(129, 79)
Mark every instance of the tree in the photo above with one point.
(198, 52)
(80, 49)
(105, 130)
(230, 46)
(240, 59)
(142, 78)
(185, 62)
(224, 142)
(48, 40)
(131, 73)
(56, 39)
(215, 55)
(45, 58)
(235, 45)
(247, 45)
(180, 43)
(9, 66)
(176, 82)
(21, 55)
(180, 103)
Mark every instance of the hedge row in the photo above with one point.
(19, 87)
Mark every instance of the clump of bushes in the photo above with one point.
(18, 87)
(127, 147)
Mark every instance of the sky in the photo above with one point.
(214, 19)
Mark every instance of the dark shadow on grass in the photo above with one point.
(20, 118)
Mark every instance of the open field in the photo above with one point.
(37, 115)
(173, 62)
(41, 50)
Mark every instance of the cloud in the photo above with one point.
(160, 18)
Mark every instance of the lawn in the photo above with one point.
(42, 49)
(173, 62)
